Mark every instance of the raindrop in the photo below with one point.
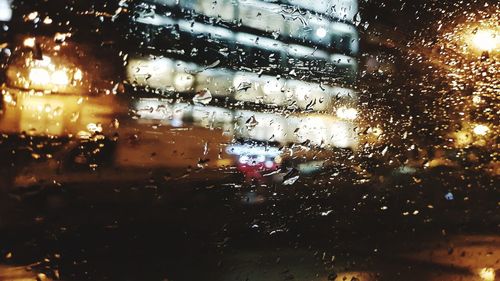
(205, 148)
(291, 177)
(202, 97)
(251, 122)
(326, 213)
(243, 86)
(276, 34)
(332, 276)
(357, 19)
(449, 196)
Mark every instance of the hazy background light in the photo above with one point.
(347, 113)
(481, 130)
(29, 42)
(321, 32)
(5, 10)
(39, 76)
(485, 40)
(60, 77)
(487, 274)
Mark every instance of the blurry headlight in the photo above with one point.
(39, 76)
(60, 77)
(27, 69)
(44, 77)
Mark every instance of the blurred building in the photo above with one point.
(268, 71)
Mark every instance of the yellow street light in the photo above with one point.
(487, 274)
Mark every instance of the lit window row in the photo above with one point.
(339, 9)
(320, 130)
(264, 50)
(280, 21)
(178, 76)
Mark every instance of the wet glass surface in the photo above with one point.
(249, 140)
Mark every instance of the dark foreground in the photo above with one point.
(434, 224)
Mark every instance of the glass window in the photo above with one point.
(335, 140)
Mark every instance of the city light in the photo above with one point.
(485, 40)
(347, 113)
(183, 82)
(476, 99)
(8, 98)
(29, 42)
(93, 127)
(60, 77)
(487, 274)
(481, 130)
(32, 15)
(321, 32)
(39, 76)
(5, 10)
(78, 76)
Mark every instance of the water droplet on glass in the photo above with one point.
(203, 97)
(291, 177)
(251, 122)
(449, 196)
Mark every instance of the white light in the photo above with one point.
(45, 62)
(8, 98)
(476, 99)
(60, 77)
(183, 82)
(32, 15)
(347, 113)
(269, 164)
(47, 20)
(78, 75)
(39, 76)
(255, 150)
(93, 127)
(481, 130)
(341, 136)
(321, 32)
(271, 87)
(243, 159)
(485, 40)
(47, 108)
(29, 42)
(5, 10)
